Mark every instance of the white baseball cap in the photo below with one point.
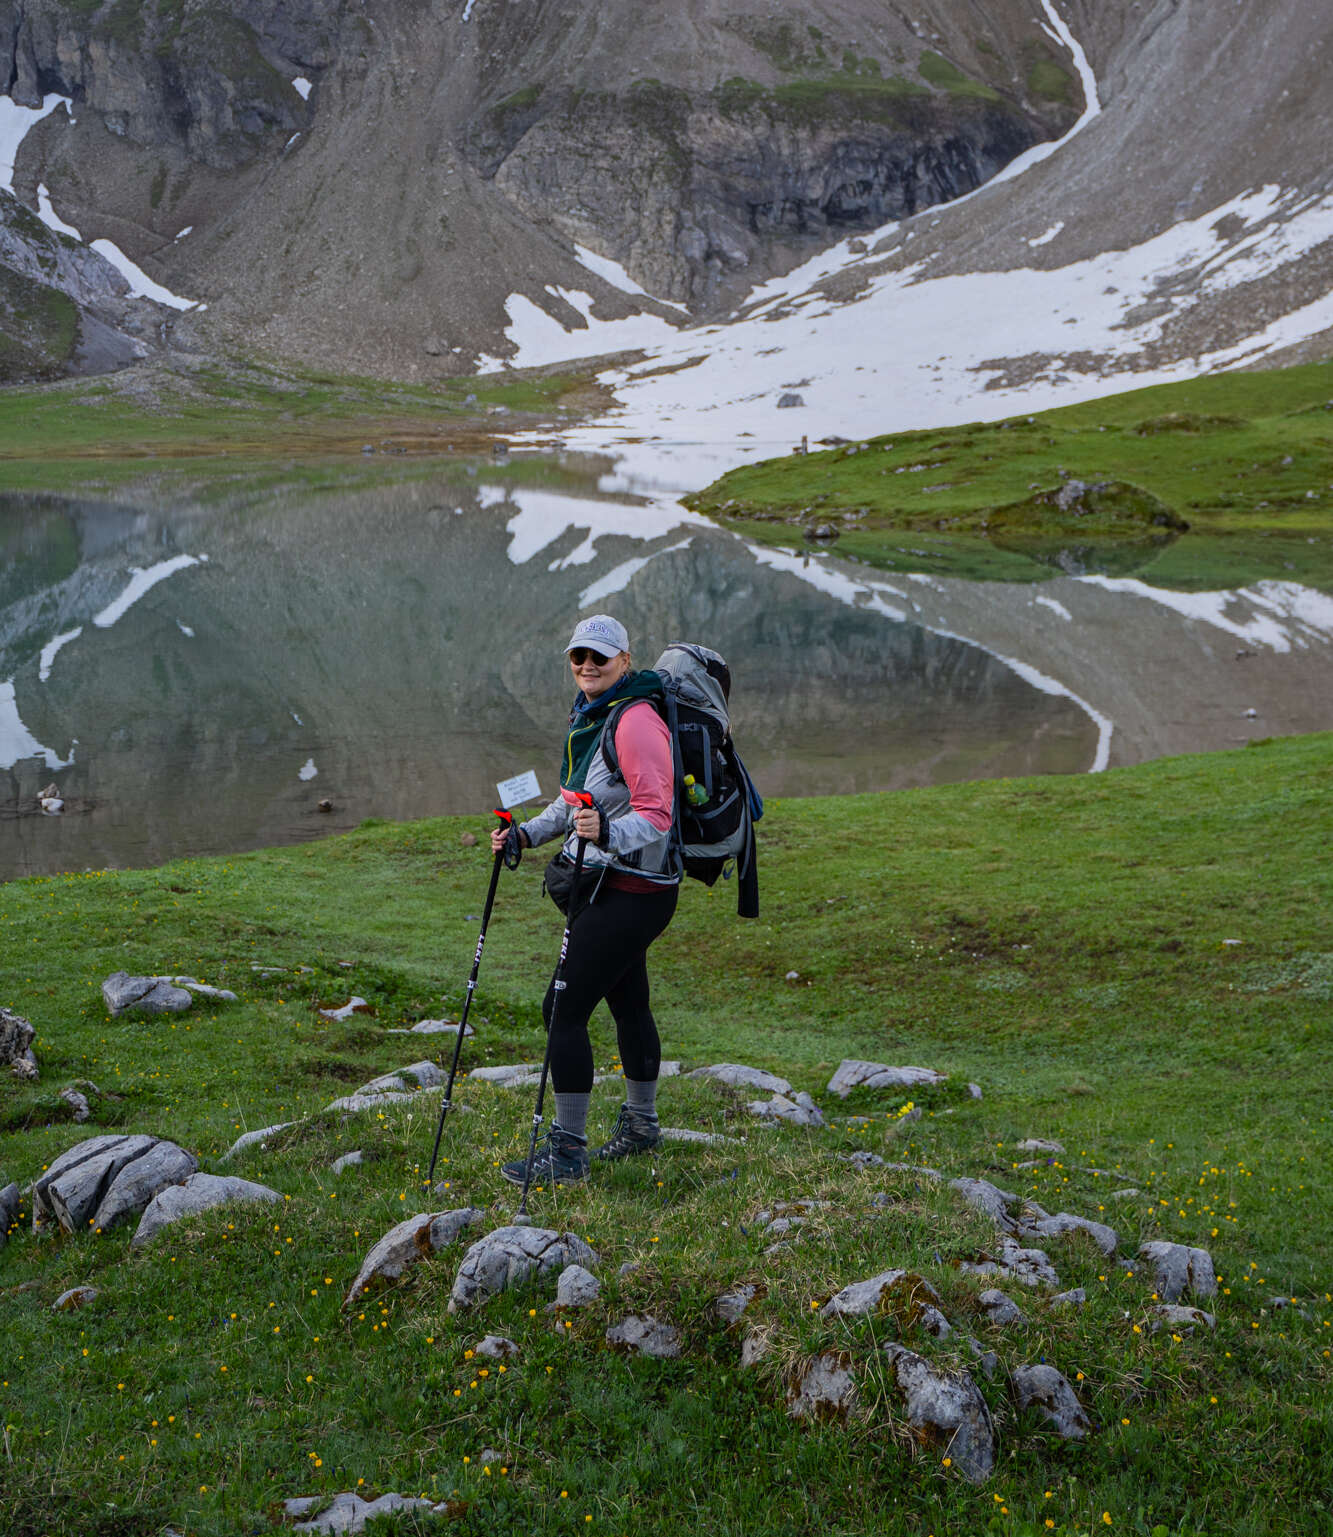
(599, 632)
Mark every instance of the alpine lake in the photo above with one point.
(214, 655)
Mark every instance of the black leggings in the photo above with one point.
(608, 947)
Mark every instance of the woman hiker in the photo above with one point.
(633, 882)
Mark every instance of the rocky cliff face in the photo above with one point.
(358, 178)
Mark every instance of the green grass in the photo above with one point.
(1062, 942)
(1245, 458)
(944, 76)
(252, 408)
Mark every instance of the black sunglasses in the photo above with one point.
(580, 654)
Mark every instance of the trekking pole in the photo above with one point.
(521, 1218)
(502, 857)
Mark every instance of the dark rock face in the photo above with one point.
(687, 188)
(445, 157)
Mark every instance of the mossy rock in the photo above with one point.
(1187, 421)
(1110, 527)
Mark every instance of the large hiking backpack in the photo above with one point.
(719, 832)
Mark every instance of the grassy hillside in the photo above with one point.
(248, 407)
(1246, 459)
(1137, 964)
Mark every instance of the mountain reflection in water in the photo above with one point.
(215, 668)
(198, 660)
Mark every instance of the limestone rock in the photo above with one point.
(124, 994)
(10, 1203)
(26, 1066)
(347, 1161)
(349, 1512)
(863, 1158)
(78, 1103)
(933, 1322)
(914, 1168)
(436, 1027)
(516, 1075)
(735, 1075)
(689, 1134)
(199, 989)
(576, 1287)
(413, 1239)
(1103, 1236)
(1039, 1145)
(425, 1075)
(1029, 1267)
(801, 1111)
(986, 1360)
(755, 1346)
(76, 1297)
(250, 1138)
(1043, 1388)
(200, 1192)
(731, 1306)
(903, 1290)
(72, 1187)
(352, 1103)
(1070, 1299)
(1000, 1309)
(16, 1037)
(854, 1074)
(1177, 1268)
(947, 1410)
(646, 1335)
(988, 1198)
(496, 1347)
(508, 1257)
(1170, 1315)
(353, 1005)
(822, 1388)
(163, 1165)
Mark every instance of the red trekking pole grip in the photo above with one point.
(507, 817)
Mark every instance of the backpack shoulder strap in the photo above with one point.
(610, 753)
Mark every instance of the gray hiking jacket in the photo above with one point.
(634, 845)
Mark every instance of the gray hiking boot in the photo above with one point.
(560, 1159)
(632, 1133)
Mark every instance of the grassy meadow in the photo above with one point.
(1137, 963)
(1246, 459)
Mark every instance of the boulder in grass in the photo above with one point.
(1000, 1309)
(349, 1513)
(576, 1287)
(1029, 1267)
(1070, 1299)
(730, 1306)
(351, 1104)
(822, 1388)
(200, 1192)
(73, 1299)
(989, 1199)
(800, 1111)
(253, 1138)
(138, 1183)
(1170, 1315)
(496, 1347)
(511, 1256)
(10, 1204)
(647, 1336)
(1040, 1145)
(946, 1409)
(124, 994)
(1049, 1392)
(514, 1075)
(415, 1238)
(16, 1037)
(72, 1189)
(1177, 1268)
(422, 1075)
(737, 1076)
(200, 989)
(855, 1074)
(891, 1290)
(1062, 1222)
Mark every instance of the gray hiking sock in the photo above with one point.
(571, 1113)
(642, 1098)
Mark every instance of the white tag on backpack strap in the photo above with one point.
(513, 792)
